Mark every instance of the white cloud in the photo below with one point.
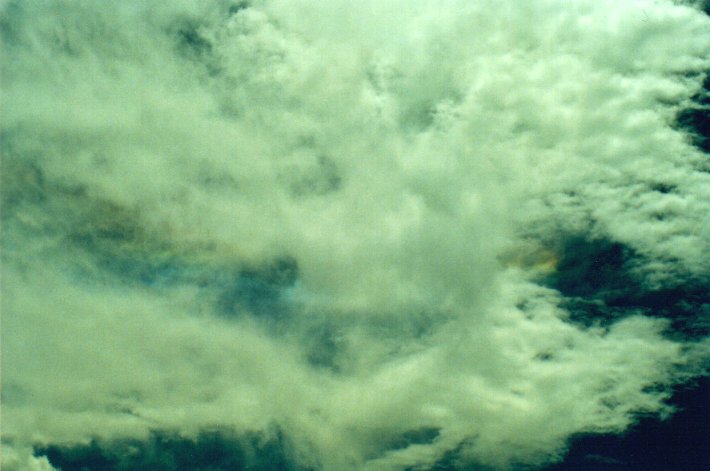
(422, 164)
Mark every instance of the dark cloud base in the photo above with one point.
(164, 451)
(210, 450)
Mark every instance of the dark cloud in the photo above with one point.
(599, 285)
(679, 442)
(164, 451)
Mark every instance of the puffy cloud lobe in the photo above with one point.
(371, 227)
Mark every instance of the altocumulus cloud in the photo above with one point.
(346, 235)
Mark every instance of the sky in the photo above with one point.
(375, 235)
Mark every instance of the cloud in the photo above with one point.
(383, 235)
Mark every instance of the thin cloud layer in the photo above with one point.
(381, 235)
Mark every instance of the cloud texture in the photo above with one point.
(383, 235)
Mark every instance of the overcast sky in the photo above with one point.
(373, 235)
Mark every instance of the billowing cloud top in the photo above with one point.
(370, 235)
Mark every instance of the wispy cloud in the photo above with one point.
(380, 235)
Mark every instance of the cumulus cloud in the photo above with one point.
(381, 235)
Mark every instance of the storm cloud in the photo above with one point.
(348, 235)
